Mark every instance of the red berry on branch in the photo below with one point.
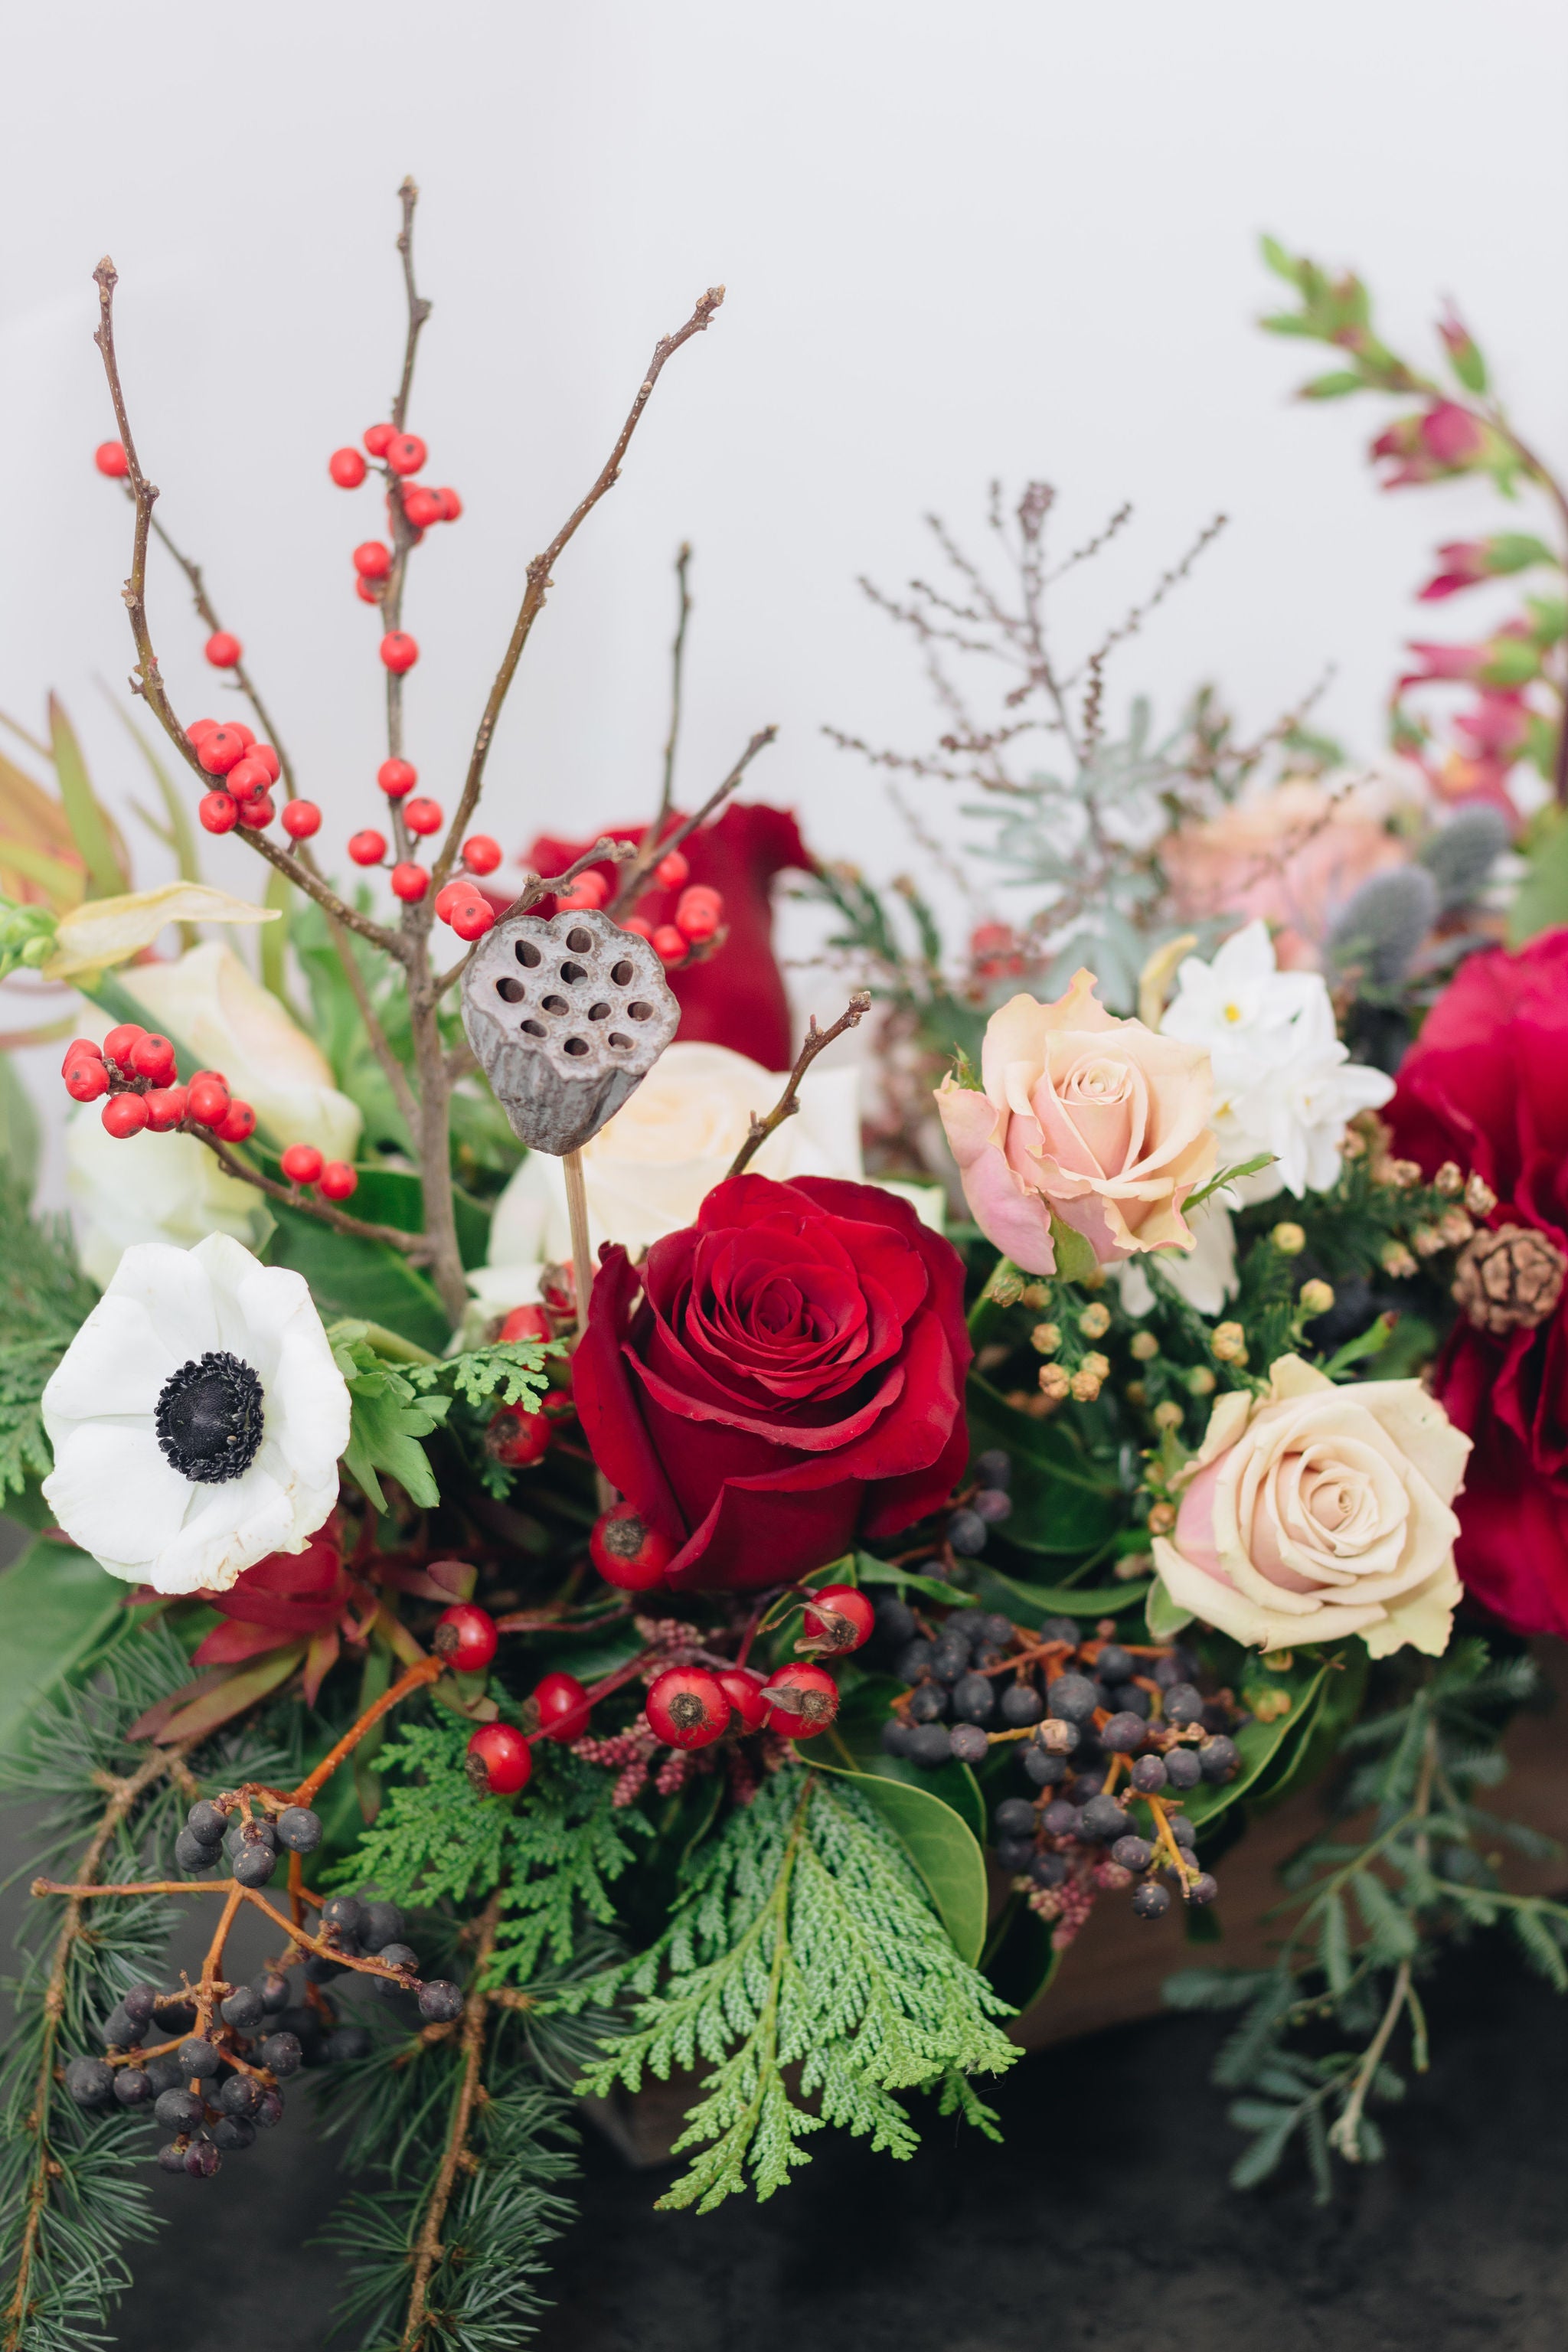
(409, 882)
(398, 651)
(840, 1617)
(673, 868)
(80, 1049)
(338, 1181)
(405, 453)
(397, 777)
(268, 758)
(86, 1079)
(373, 561)
(499, 1761)
(518, 1439)
(422, 506)
(466, 1637)
(367, 592)
(628, 1552)
(245, 734)
(347, 468)
(198, 730)
(449, 897)
(802, 1701)
(451, 504)
(154, 1057)
(238, 1125)
(743, 1689)
(125, 1115)
(686, 1709)
(218, 812)
(699, 912)
(636, 924)
(120, 1044)
(301, 819)
(377, 437)
(564, 1705)
(472, 918)
(209, 1099)
(481, 854)
(224, 749)
(423, 817)
(247, 776)
(525, 1323)
(367, 848)
(302, 1163)
(668, 944)
(222, 649)
(258, 812)
(109, 457)
(166, 1107)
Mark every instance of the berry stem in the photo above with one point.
(788, 1103)
(414, 1246)
(677, 665)
(577, 1214)
(123, 1797)
(657, 843)
(415, 1678)
(428, 2246)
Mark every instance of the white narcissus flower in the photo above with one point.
(1314, 1511)
(197, 1418)
(648, 1169)
(1284, 1083)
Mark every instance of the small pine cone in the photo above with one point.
(1509, 1280)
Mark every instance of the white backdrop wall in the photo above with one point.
(1013, 237)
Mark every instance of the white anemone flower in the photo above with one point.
(197, 1418)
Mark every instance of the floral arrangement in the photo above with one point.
(636, 1550)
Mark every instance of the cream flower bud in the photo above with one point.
(1287, 1239)
(1144, 1347)
(1055, 1381)
(1316, 1297)
(1095, 1321)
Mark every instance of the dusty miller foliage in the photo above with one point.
(1365, 1918)
(804, 1940)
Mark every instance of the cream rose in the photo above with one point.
(649, 1167)
(1091, 1119)
(1315, 1512)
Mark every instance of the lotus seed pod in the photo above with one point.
(566, 1017)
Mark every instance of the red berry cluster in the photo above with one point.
(690, 1706)
(400, 455)
(697, 929)
(244, 773)
(500, 1756)
(135, 1068)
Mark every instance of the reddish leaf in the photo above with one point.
(233, 1696)
(319, 1660)
(229, 1645)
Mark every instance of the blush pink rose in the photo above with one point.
(1294, 855)
(1098, 1121)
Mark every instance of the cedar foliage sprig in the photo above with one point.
(1372, 1913)
(44, 1299)
(804, 1940)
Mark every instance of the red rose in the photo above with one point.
(737, 997)
(780, 1377)
(1486, 1084)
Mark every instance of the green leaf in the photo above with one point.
(105, 876)
(351, 1277)
(57, 1609)
(388, 1420)
(855, 1739)
(868, 1570)
(1333, 387)
(1064, 1600)
(1264, 1748)
(942, 1848)
(1023, 1960)
(1227, 1176)
(1541, 901)
(1060, 1507)
(19, 1132)
(1164, 1616)
(1076, 1260)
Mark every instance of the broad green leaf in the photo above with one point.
(864, 1568)
(19, 1134)
(369, 1279)
(1266, 1748)
(57, 1609)
(107, 878)
(62, 882)
(1060, 1506)
(1022, 1959)
(1076, 1260)
(941, 1847)
(855, 1740)
(1058, 1600)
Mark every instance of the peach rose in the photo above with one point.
(1095, 1120)
(1316, 1511)
(1294, 854)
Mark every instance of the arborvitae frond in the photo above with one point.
(44, 1299)
(807, 1940)
(559, 1846)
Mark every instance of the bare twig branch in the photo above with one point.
(655, 846)
(419, 305)
(677, 665)
(540, 583)
(788, 1103)
(415, 1246)
(427, 2247)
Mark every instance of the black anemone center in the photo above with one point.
(209, 1418)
